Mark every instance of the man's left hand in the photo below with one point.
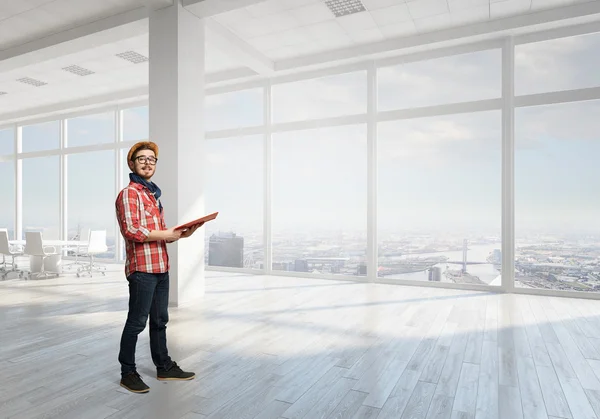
(191, 230)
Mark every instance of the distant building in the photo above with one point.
(435, 274)
(301, 265)
(497, 255)
(362, 269)
(226, 249)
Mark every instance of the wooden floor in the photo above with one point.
(271, 347)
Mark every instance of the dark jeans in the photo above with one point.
(148, 295)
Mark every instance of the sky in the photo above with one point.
(435, 174)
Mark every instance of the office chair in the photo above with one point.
(84, 237)
(6, 250)
(96, 246)
(35, 247)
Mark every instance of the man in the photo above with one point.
(142, 224)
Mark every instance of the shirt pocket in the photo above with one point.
(151, 211)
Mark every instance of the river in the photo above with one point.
(476, 253)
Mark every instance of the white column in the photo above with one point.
(508, 165)
(177, 40)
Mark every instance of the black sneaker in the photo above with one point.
(174, 373)
(133, 382)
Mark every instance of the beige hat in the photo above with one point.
(139, 145)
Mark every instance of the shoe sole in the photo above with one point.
(134, 391)
(175, 378)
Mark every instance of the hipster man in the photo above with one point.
(141, 221)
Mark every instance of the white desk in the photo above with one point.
(52, 263)
(60, 243)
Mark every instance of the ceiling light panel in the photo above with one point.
(345, 7)
(32, 82)
(80, 71)
(133, 57)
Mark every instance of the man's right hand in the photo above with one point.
(172, 235)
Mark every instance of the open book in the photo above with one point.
(201, 220)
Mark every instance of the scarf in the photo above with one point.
(150, 185)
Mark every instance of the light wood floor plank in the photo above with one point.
(531, 392)
(488, 384)
(554, 397)
(509, 403)
(465, 399)
(419, 401)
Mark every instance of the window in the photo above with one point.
(439, 198)
(557, 179)
(41, 137)
(458, 78)
(136, 125)
(91, 129)
(91, 195)
(326, 97)
(125, 168)
(41, 197)
(234, 174)
(7, 141)
(557, 64)
(125, 180)
(7, 209)
(320, 200)
(242, 108)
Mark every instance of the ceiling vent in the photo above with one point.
(133, 57)
(3, 93)
(345, 7)
(80, 71)
(32, 82)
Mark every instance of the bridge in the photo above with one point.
(460, 262)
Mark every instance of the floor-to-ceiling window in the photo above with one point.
(233, 176)
(439, 177)
(319, 175)
(41, 179)
(233, 186)
(557, 141)
(91, 178)
(319, 200)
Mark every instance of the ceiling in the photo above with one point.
(282, 29)
(270, 33)
(22, 21)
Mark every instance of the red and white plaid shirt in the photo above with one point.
(138, 214)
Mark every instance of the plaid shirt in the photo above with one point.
(138, 214)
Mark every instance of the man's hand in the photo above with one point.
(191, 230)
(171, 235)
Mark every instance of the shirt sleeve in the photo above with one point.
(128, 216)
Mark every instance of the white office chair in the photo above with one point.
(34, 246)
(96, 246)
(84, 237)
(7, 250)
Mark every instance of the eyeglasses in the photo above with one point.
(144, 160)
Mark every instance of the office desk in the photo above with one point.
(59, 243)
(52, 263)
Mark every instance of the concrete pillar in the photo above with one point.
(177, 43)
